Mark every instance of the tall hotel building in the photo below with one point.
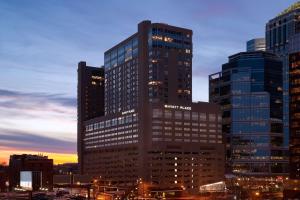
(151, 129)
(90, 103)
(249, 91)
(281, 33)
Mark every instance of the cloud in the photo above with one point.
(37, 122)
(12, 97)
(21, 140)
(12, 101)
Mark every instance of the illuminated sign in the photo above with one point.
(26, 180)
(178, 107)
(97, 77)
(128, 111)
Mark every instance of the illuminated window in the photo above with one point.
(168, 39)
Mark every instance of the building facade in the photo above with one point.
(40, 168)
(151, 128)
(280, 32)
(257, 44)
(3, 178)
(294, 75)
(249, 91)
(90, 99)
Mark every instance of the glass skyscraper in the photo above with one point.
(256, 44)
(295, 115)
(249, 90)
(280, 34)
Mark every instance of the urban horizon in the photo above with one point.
(204, 104)
(31, 129)
(40, 100)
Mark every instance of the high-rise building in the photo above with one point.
(151, 129)
(280, 32)
(294, 62)
(256, 44)
(90, 98)
(249, 91)
(37, 170)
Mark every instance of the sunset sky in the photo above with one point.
(41, 43)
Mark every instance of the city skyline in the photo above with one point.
(43, 43)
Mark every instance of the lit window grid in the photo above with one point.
(186, 130)
(111, 132)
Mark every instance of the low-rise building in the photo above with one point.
(30, 171)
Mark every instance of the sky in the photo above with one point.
(41, 43)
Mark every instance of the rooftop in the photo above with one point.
(293, 7)
(28, 156)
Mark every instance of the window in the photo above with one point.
(187, 115)
(168, 114)
(168, 134)
(187, 135)
(202, 125)
(194, 116)
(178, 114)
(203, 117)
(212, 117)
(156, 127)
(178, 134)
(157, 113)
(156, 133)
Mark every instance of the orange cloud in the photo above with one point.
(58, 158)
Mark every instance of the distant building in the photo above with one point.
(257, 44)
(280, 39)
(90, 99)
(249, 91)
(37, 169)
(3, 178)
(151, 130)
(66, 168)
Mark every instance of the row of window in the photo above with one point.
(155, 128)
(128, 119)
(111, 144)
(176, 134)
(156, 139)
(111, 132)
(186, 115)
(109, 140)
(179, 123)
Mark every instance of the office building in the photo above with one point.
(280, 38)
(37, 171)
(257, 44)
(90, 98)
(249, 91)
(151, 129)
(294, 62)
